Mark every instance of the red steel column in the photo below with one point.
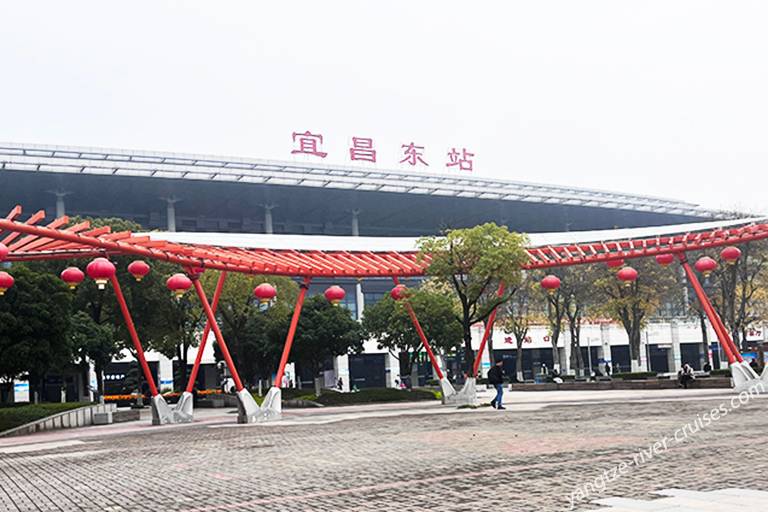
(206, 331)
(217, 332)
(134, 335)
(291, 332)
(488, 329)
(423, 338)
(708, 309)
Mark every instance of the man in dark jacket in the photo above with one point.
(496, 378)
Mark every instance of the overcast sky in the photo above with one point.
(663, 98)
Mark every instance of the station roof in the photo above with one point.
(322, 256)
(86, 161)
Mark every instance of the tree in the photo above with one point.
(184, 320)
(474, 261)
(518, 315)
(254, 337)
(738, 290)
(578, 295)
(324, 331)
(34, 321)
(95, 342)
(389, 324)
(632, 304)
(555, 315)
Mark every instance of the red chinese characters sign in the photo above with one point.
(363, 149)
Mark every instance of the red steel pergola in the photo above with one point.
(30, 240)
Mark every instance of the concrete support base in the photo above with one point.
(744, 377)
(466, 396)
(250, 412)
(162, 414)
(184, 410)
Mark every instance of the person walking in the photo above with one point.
(496, 378)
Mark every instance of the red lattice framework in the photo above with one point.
(29, 240)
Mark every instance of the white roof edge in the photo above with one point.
(406, 244)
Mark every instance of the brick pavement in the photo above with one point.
(511, 461)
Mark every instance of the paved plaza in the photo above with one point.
(538, 455)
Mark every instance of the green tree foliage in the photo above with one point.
(632, 305)
(522, 311)
(388, 322)
(325, 331)
(93, 342)
(34, 321)
(254, 337)
(474, 261)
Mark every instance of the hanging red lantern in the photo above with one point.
(399, 292)
(178, 284)
(335, 294)
(100, 270)
(551, 284)
(73, 276)
(615, 264)
(706, 265)
(138, 269)
(665, 259)
(6, 281)
(730, 255)
(3, 251)
(628, 275)
(265, 292)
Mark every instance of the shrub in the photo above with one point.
(12, 417)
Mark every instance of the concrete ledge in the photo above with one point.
(705, 383)
(81, 417)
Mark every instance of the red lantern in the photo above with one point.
(614, 264)
(73, 276)
(729, 255)
(178, 284)
(265, 292)
(6, 281)
(665, 259)
(706, 265)
(628, 275)
(335, 294)
(3, 251)
(100, 270)
(399, 292)
(551, 284)
(138, 269)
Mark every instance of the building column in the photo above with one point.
(674, 355)
(566, 337)
(60, 205)
(605, 342)
(392, 370)
(268, 228)
(170, 212)
(341, 369)
(359, 297)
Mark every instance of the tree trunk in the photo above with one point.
(634, 348)
(490, 348)
(99, 369)
(519, 362)
(469, 355)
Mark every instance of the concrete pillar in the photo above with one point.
(605, 343)
(171, 212)
(359, 297)
(566, 337)
(341, 369)
(674, 355)
(392, 370)
(268, 228)
(60, 207)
